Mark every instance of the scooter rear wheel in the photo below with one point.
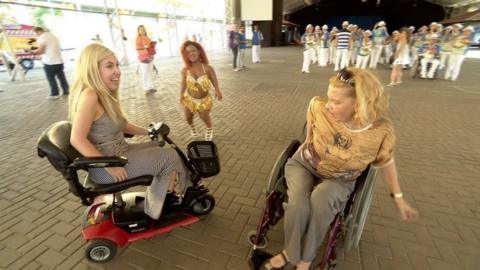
(101, 250)
(203, 205)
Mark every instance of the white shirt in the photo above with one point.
(52, 55)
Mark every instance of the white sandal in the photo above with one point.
(209, 134)
(193, 131)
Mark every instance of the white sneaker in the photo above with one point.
(53, 97)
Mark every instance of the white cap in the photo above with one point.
(308, 26)
(345, 23)
(317, 28)
(381, 23)
(325, 27)
(433, 23)
(458, 25)
(368, 32)
(469, 28)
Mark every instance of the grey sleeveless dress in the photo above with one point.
(143, 159)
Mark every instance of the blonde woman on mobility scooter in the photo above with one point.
(345, 133)
(99, 125)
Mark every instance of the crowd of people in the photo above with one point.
(434, 46)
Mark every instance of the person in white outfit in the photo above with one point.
(365, 50)
(354, 44)
(430, 55)
(446, 42)
(318, 35)
(323, 43)
(379, 35)
(459, 49)
(401, 57)
(332, 45)
(308, 40)
(257, 38)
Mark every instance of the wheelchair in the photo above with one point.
(345, 229)
(113, 219)
(416, 68)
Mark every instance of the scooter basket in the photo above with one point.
(204, 157)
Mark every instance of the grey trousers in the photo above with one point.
(150, 159)
(312, 206)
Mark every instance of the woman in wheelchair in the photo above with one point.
(345, 133)
(99, 125)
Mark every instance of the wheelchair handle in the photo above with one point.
(158, 131)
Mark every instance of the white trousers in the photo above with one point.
(256, 53)
(362, 61)
(323, 58)
(147, 75)
(454, 64)
(341, 59)
(352, 56)
(388, 53)
(424, 62)
(375, 56)
(241, 58)
(443, 59)
(331, 56)
(308, 56)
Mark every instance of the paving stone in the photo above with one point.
(50, 258)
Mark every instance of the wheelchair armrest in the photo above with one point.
(99, 162)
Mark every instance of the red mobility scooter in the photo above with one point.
(113, 219)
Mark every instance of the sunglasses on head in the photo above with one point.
(346, 76)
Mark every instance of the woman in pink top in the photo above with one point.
(144, 48)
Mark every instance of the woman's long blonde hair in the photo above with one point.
(87, 76)
(366, 88)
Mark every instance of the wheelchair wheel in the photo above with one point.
(252, 237)
(101, 250)
(203, 205)
(277, 170)
(358, 215)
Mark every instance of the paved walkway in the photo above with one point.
(438, 157)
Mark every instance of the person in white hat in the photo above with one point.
(365, 49)
(430, 52)
(459, 49)
(446, 42)
(308, 40)
(354, 44)
(332, 45)
(318, 34)
(343, 44)
(379, 36)
(323, 43)
(419, 39)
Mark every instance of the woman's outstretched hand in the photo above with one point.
(118, 173)
(218, 95)
(406, 211)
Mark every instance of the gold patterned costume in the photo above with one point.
(195, 86)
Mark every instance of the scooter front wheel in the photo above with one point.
(203, 205)
(101, 250)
